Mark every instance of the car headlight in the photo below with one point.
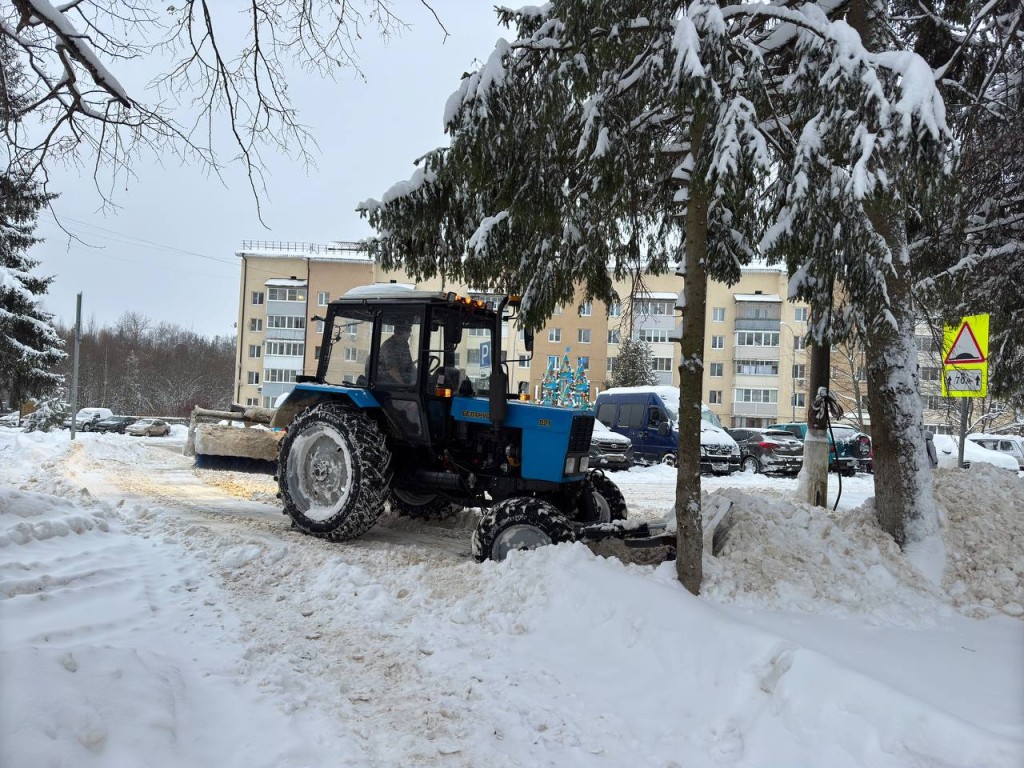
(570, 465)
(735, 450)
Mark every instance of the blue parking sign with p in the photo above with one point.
(485, 354)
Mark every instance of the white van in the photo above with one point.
(1011, 445)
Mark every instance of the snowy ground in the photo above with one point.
(155, 615)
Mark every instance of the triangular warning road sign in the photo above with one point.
(965, 348)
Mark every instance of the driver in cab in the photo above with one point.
(396, 364)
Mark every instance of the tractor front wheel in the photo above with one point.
(609, 503)
(334, 472)
(519, 523)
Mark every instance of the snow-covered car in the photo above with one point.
(609, 450)
(149, 428)
(1011, 445)
(947, 448)
(87, 418)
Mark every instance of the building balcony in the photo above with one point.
(750, 381)
(744, 324)
(764, 410)
(755, 353)
(286, 334)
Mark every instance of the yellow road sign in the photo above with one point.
(965, 358)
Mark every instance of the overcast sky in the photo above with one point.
(169, 251)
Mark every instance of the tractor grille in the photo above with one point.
(579, 433)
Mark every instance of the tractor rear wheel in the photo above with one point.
(421, 506)
(334, 472)
(609, 503)
(519, 523)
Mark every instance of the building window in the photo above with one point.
(800, 314)
(279, 374)
(757, 367)
(524, 362)
(473, 356)
(252, 401)
(718, 342)
(662, 364)
(655, 307)
(553, 362)
(316, 353)
(653, 335)
(558, 311)
(254, 377)
(583, 336)
(798, 400)
(611, 364)
(586, 309)
(757, 338)
(322, 298)
(615, 309)
(935, 403)
(554, 334)
(268, 402)
(799, 371)
(757, 396)
(286, 294)
(718, 315)
(254, 350)
(614, 337)
(286, 348)
(352, 354)
(929, 373)
(717, 369)
(318, 326)
(257, 297)
(715, 397)
(799, 342)
(584, 361)
(256, 324)
(295, 322)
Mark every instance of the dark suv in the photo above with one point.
(114, 424)
(768, 450)
(852, 446)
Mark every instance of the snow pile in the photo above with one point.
(984, 536)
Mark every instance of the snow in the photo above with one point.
(154, 614)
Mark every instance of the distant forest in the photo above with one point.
(140, 368)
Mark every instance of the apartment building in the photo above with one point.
(755, 365)
(755, 357)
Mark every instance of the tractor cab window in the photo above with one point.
(397, 359)
(459, 352)
(350, 333)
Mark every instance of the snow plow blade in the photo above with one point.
(244, 443)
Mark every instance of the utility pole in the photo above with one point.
(816, 443)
(74, 373)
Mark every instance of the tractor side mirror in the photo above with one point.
(453, 330)
(528, 339)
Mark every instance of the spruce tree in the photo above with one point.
(634, 366)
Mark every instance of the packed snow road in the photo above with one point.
(158, 615)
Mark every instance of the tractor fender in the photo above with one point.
(308, 395)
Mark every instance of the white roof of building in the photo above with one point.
(284, 281)
(773, 297)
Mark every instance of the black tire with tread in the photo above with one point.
(751, 461)
(600, 484)
(438, 508)
(370, 480)
(526, 511)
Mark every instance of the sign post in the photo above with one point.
(965, 365)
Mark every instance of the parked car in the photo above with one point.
(1011, 445)
(852, 446)
(948, 448)
(114, 424)
(649, 417)
(771, 451)
(610, 450)
(87, 418)
(149, 428)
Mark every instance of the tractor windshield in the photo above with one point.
(460, 348)
(348, 338)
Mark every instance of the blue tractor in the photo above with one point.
(410, 405)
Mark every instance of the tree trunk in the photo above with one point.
(689, 526)
(903, 475)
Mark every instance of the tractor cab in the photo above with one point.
(413, 351)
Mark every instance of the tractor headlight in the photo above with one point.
(584, 463)
(570, 466)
